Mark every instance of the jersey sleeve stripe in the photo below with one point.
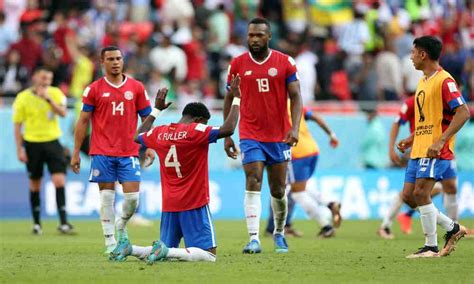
(291, 78)
(401, 121)
(87, 108)
(140, 139)
(213, 135)
(145, 112)
(454, 103)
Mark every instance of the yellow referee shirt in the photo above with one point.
(41, 124)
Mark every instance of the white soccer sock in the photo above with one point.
(107, 215)
(451, 206)
(253, 210)
(428, 214)
(444, 221)
(141, 252)
(130, 204)
(191, 254)
(280, 211)
(392, 212)
(313, 209)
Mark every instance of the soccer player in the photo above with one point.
(36, 111)
(449, 183)
(304, 158)
(439, 114)
(112, 103)
(268, 78)
(183, 152)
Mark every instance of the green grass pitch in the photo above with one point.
(356, 255)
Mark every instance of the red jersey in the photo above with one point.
(114, 115)
(407, 113)
(264, 95)
(183, 152)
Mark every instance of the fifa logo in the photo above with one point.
(420, 101)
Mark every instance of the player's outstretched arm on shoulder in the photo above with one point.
(160, 104)
(79, 135)
(228, 128)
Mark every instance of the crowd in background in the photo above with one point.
(345, 50)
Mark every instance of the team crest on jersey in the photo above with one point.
(272, 71)
(96, 172)
(128, 95)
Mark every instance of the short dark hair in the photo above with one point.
(108, 48)
(429, 44)
(196, 109)
(257, 21)
(42, 68)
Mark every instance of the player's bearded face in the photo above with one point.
(258, 37)
(113, 62)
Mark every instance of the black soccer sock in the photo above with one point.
(61, 204)
(35, 206)
(411, 212)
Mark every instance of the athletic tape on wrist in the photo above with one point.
(155, 112)
(236, 101)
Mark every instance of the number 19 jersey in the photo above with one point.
(183, 152)
(264, 95)
(115, 110)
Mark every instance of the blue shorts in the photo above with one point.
(268, 152)
(301, 169)
(195, 226)
(430, 168)
(111, 169)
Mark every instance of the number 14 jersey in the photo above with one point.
(183, 152)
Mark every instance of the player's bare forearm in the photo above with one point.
(18, 137)
(57, 108)
(228, 128)
(227, 104)
(296, 105)
(393, 135)
(460, 117)
(320, 121)
(81, 130)
(144, 127)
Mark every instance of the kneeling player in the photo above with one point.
(183, 151)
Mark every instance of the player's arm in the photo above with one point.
(391, 145)
(19, 144)
(310, 115)
(160, 104)
(453, 100)
(80, 134)
(229, 145)
(232, 117)
(296, 107)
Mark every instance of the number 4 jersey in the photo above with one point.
(115, 110)
(183, 152)
(264, 95)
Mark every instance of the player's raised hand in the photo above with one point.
(291, 138)
(230, 148)
(235, 86)
(160, 100)
(333, 141)
(76, 163)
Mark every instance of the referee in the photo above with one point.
(36, 110)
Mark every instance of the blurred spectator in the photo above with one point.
(365, 82)
(13, 76)
(244, 11)
(8, 35)
(389, 75)
(294, 15)
(374, 142)
(219, 36)
(139, 10)
(453, 61)
(306, 64)
(156, 82)
(196, 56)
(29, 48)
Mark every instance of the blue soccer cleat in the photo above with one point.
(252, 247)
(158, 252)
(121, 251)
(280, 243)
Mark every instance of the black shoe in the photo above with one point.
(450, 234)
(37, 230)
(66, 229)
(425, 251)
(326, 232)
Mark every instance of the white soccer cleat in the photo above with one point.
(425, 252)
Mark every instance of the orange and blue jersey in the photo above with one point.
(306, 146)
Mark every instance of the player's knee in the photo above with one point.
(59, 180)
(253, 179)
(420, 195)
(277, 193)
